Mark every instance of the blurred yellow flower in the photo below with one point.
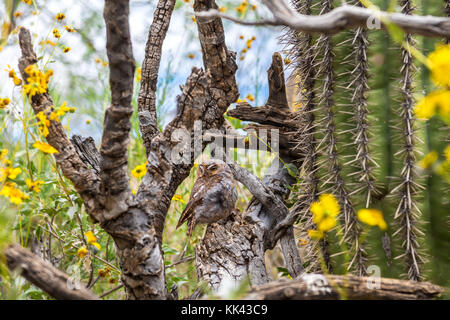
(10, 173)
(428, 160)
(315, 234)
(69, 29)
(4, 102)
(43, 123)
(250, 97)
(139, 171)
(12, 74)
(439, 64)
(60, 17)
(66, 49)
(34, 185)
(91, 238)
(324, 213)
(10, 191)
(82, 252)
(56, 33)
(437, 102)
(138, 74)
(372, 217)
(44, 147)
(178, 198)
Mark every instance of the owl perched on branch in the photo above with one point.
(213, 196)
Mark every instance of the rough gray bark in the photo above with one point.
(332, 287)
(148, 118)
(233, 249)
(45, 276)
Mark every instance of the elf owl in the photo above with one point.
(213, 196)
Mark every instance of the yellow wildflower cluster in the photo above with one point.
(34, 185)
(372, 217)
(437, 102)
(92, 239)
(244, 6)
(9, 188)
(82, 252)
(56, 33)
(12, 74)
(4, 102)
(10, 191)
(60, 112)
(70, 29)
(178, 198)
(139, 171)
(43, 123)
(49, 42)
(325, 212)
(44, 147)
(248, 46)
(37, 81)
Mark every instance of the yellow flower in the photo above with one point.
(138, 74)
(28, 2)
(56, 33)
(439, 63)
(18, 14)
(10, 173)
(178, 198)
(437, 102)
(82, 252)
(10, 191)
(194, 19)
(44, 147)
(34, 185)
(60, 17)
(66, 49)
(446, 153)
(191, 56)
(4, 102)
(69, 29)
(3, 153)
(250, 97)
(103, 273)
(91, 238)
(43, 123)
(315, 234)
(37, 81)
(223, 9)
(372, 217)
(428, 160)
(287, 61)
(139, 171)
(12, 74)
(325, 212)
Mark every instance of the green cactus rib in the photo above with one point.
(408, 211)
(302, 55)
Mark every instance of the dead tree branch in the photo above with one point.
(117, 125)
(45, 276)
(332, 287)
(148, 119)
(342, 18)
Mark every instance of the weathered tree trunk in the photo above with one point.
(235, 248)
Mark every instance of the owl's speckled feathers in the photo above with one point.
(213, 196)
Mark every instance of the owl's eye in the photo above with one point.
(212, 167)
